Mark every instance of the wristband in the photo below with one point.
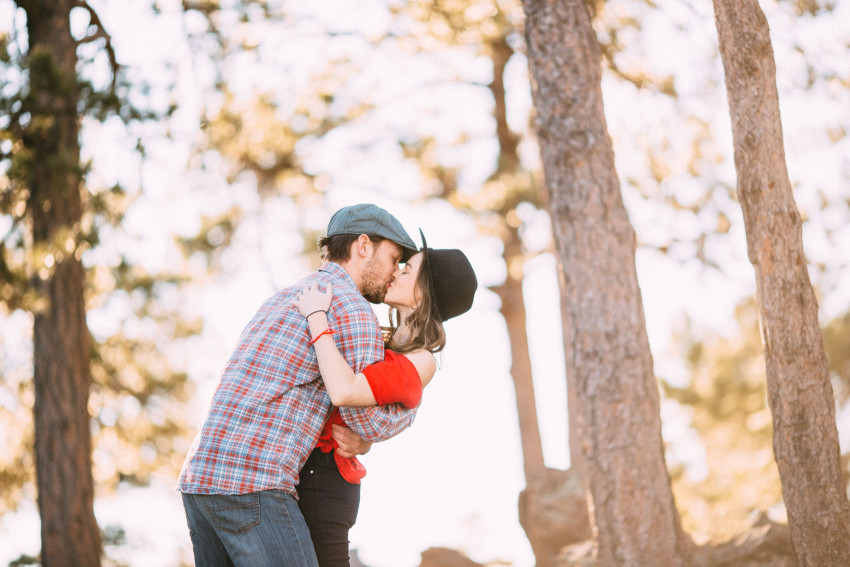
(327, 331)
(307, 316)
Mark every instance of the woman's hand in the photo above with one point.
(311, 300)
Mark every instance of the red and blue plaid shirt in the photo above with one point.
(270, 407)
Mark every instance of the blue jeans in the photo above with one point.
(259, 529)
(329, 504)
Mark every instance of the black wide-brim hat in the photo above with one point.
(452, 280)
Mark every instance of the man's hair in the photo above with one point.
(337, 248)
(426, 329)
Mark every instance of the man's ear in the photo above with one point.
(361, 246)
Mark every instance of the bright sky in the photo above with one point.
(453, 479)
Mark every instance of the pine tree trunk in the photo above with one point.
(513, 310)
(800, 395)
(69, 531)
(510, 292)
(608, 359)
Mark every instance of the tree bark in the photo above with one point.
(62, 376)
(800, 395)
(608, 358)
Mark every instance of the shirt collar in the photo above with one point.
(338, 271)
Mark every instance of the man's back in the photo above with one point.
(271, 405)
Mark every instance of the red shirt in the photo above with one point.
(395, 380)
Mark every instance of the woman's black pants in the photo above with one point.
(329, 505)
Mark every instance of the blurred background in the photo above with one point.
(247, 124)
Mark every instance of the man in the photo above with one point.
(239, 479)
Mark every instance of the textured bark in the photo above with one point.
(800, 395)
(62, 376)
(608, 355)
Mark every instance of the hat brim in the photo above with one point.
(452, 279)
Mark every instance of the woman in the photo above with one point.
(432, 287)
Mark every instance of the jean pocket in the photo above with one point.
(235, 513)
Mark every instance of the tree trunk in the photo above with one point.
(609, 359)
(513, 310)
(510, 292)
(800, 395)
(69, 531)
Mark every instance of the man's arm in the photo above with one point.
(361, 344)
(378, 423)
(349, 444)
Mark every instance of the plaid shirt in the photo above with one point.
(270, 407)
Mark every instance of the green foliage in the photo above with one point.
(259, 136)
(16, 471)
(812, 7)
(728, 401)
(727, 398)
(138, 394)
(836, 341)
(5, 58)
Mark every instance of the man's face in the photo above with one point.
(380, 267)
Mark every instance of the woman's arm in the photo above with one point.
(347, 388)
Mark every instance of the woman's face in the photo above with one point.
(403, 291)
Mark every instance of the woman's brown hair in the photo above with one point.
(425, 328)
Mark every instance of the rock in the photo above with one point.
(553, 512)
(444, 557)
(577, 555)
(354, 559)
(765, 544)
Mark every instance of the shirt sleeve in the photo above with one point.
(378, 423)
(394, 380)
(360, 343)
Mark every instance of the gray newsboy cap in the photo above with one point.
(367, 218)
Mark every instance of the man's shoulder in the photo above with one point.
(329, 272)
(348, 300)
(334, 271)
(352, 301)
(345, 291)
(344, 286)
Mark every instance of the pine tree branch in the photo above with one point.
(100, 32)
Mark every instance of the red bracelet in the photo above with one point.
(319, 336)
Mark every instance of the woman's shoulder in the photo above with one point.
(423, 360)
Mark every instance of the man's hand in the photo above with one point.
(350, 444)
